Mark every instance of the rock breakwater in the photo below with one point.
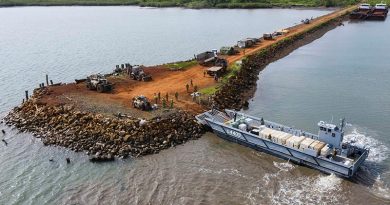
(103, 138)
(240, 88)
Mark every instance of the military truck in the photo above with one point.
(99, 83)
(228, 50)
(138, 73)
(206, 58)
(141, 102)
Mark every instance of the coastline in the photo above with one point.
(298, 7)
(69, 115)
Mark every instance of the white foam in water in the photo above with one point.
(309, 190)
(284, 166)
(378, 151)
(380, 189)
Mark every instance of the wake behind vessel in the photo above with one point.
(326, 151)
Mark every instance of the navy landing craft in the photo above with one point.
(326, 151)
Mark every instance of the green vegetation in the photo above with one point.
(182, 65)
(231, 71)
(209, 91)
(189, 3)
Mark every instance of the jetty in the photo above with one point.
(108, 124)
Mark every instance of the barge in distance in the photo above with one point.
(326, 151)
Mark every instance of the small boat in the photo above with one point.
(326, 151)
(379, 12)
(361, 12)
(80, 80)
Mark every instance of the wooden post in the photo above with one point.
(47, 80)
(26, 95)
(51, 82)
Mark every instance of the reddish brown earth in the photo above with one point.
(164, 81)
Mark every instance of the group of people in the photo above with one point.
(192, 85)
(164, 101)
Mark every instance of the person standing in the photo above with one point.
(166, 96)
(171, 103)
(187, 87)
(155, 98)
(177, 96)
(164, 104)
(159, 96)
(191, 83)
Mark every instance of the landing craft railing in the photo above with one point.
(274, 125)
(360, 160)
(333, 166)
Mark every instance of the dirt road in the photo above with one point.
(165, 81)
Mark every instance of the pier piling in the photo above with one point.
(51, 82)
(47, 80)
(26, 95)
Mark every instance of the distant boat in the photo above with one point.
(379, 12)
(326, 151)
(80, 80)
(361, 12)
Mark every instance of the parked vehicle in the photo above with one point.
(206, 58)
(247, 43)
(228, 50)
(268, 36)
(141, 102)
(99, 83)
(137, 73)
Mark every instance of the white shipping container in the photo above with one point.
(265, 133)
(298, 141)
(315, 143)
(325, 151)
(285, 138)
(305, 144)
(242, 127)
(276, 135)
(319, 146)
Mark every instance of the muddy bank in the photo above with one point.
(236, 93)
(103, 138)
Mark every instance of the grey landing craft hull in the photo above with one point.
(250, 140)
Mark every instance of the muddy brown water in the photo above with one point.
(40, 40)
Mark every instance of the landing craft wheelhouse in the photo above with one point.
(326, 151)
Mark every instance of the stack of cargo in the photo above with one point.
(280, 137)
(325, 151)
(266, 133)
(295, 141)
(305, 144)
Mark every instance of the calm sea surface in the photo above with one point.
(345, 73)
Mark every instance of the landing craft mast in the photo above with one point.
(342, 124)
